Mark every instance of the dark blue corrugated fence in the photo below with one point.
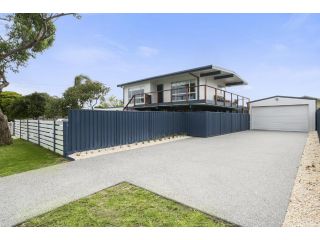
(88, 129)
(206, 124)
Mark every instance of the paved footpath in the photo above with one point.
(245, 178)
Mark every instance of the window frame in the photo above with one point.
(184, 94)
(139, 99)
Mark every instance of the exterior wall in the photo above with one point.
(209, 81)
(285, 101)
(150, 87)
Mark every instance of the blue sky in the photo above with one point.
(274, 53)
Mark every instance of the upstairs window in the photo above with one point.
(183, 90)
(138, 92)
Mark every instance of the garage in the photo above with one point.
(282, 113)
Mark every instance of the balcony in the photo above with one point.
(201, 95)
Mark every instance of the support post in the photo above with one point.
(205, 93)
(215, 96)
(38, 132)
(27, 130)
(54, 135)
(65, 138)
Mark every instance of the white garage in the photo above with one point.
(282, 113)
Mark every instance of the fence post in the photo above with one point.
(38, 132)
(27, 130)
(65, 138)
(20, 128)
(13, 125)
(54, 135)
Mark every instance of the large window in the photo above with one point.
(139, 94)
(183, 90)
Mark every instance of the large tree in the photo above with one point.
(25, 35)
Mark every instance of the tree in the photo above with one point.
(85, 92)
(25, 35)
(36, 103)
(112, 101)
(29, 106)
(6, 99)
(19, 109)
(55, 108)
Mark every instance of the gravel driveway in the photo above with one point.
(245, 178)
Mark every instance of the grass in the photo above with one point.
(124, 205)
(23, 156)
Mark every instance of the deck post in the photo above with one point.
(187, 89)
(237, 101)
(224, 98)
(231, 101)
(205, 93)
(215, 96)
(242, 105)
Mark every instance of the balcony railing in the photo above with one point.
(186, 94)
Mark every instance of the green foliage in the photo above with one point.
(23, 156)
(30, 106)
(18, 109)
(24, 36)
(111, 102)
(6, 99)
(55, 108)
(85, 92)
(125, 205)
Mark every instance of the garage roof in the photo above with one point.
(304, 97)
(218, 73)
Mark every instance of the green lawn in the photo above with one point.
(22, 156)
(125, 205)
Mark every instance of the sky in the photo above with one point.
(277, 54)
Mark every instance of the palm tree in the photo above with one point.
(80, 78)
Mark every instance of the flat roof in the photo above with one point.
(304, 97)
(218, 72)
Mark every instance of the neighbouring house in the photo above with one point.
(197, 89)
(284, 113)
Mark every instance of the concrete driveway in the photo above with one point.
(245, 178)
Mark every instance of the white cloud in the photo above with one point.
(147, 51)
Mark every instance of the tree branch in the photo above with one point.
(40, 37)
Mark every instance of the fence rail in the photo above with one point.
(46, 133)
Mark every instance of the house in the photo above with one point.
(284, 113)
(197, 89)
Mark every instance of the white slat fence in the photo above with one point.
(46, 133)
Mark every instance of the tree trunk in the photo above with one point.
(5, 135)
